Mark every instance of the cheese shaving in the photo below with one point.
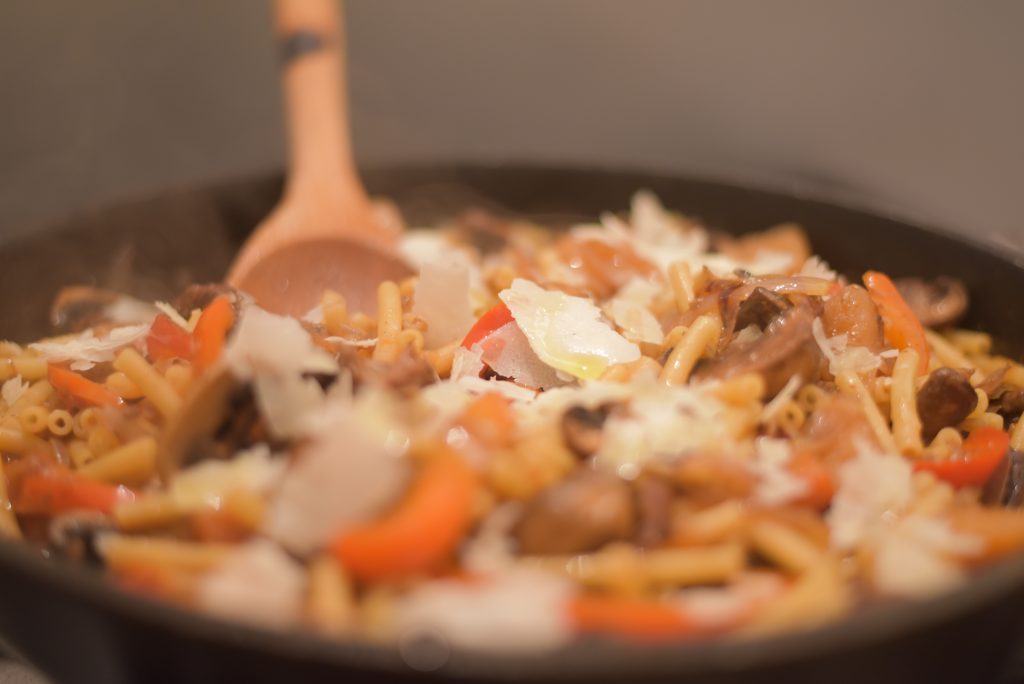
(566, 332)
(859, 360)
(88, 348)
(12, 390)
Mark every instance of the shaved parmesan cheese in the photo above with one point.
(467, 363)
(258, 583)
(628, 310)
(566, 332)
(840, 357)
(913, 559)
(816, 267)
(206, 483)
(492, 549)
(776, 484)
(442, 301)
(872, 486)
(275, 352)
(516, 611)
(266, 342)
(426, 245)
(349, 470)
(172, 313)
(88, 348)
(12, 390)
(314, 316)
(508, 353)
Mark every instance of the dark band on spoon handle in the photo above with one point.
(299, 44)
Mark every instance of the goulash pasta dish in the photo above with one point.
(634, 428)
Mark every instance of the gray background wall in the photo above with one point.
(914, 106)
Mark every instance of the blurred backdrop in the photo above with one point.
(912, 106)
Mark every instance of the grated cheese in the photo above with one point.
(872, 487)
(13, 389)
(776, 484)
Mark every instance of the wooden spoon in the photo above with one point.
(325, 233)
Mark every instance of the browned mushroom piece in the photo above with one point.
(944, 400)
(581, 429)
(653, 509)
(936, 302)
(1009, 404)
(787, 348)
(79, 307)
(582, 513)
(853, 313)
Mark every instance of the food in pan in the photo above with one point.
(635, 428)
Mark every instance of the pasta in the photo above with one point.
(612, 431)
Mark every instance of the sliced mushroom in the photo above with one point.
(853, 313)
(582, 513)
(653, 509)
(937, 302)
(787, 348)
(944, 400)
(1005, 487)
(581, 429)
(75, 534)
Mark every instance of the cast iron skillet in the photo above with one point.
(75, 627)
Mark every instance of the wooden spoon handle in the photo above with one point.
(313, 80)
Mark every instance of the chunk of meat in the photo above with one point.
(582, 513)
(653, 508)
(787, 348)
(944, 400)
(581, 429)
(936, 302)
(853, 313)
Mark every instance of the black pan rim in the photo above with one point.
(613, 659)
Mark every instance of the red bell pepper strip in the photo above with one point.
(422, 533)
(168, 340)
(211, 331)
(901, 326)
(486, 324)
(56, 491)
(983, 450)
(80, 388)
